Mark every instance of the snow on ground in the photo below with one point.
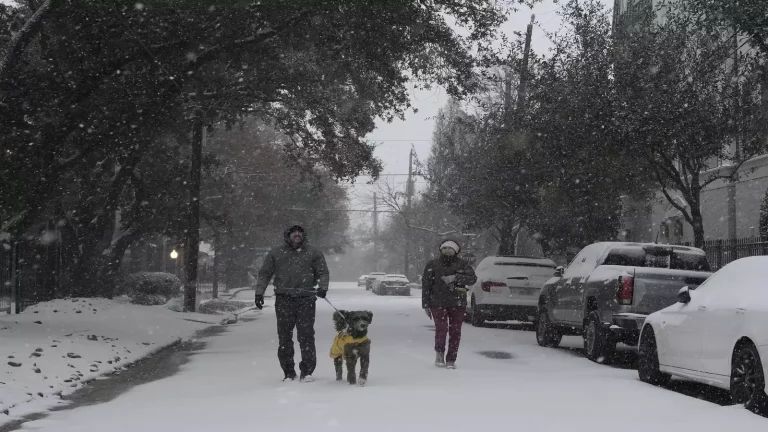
(53, 348)
(504, 381)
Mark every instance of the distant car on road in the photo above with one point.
(716, 334)
(609, 288)
(507, 288)
(372, 278)
(392, 284)
(363, 279)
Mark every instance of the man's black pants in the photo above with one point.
(296, 312)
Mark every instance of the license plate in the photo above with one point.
(527, 291)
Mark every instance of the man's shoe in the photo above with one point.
(440, 359)
(307, 379)
(290, 377)
(450, 365)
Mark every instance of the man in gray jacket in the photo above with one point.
(297, 268)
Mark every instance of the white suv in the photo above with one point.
(507, 288)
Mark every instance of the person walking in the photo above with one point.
(444, 299)
(297, 269)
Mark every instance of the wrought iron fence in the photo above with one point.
(209, 280)
(723, 251)
(30, 272)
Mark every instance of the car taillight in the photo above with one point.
(488, 285)
(626, 290)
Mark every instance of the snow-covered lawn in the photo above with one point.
(53, 348)
(504, 382)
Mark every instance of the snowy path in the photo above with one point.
(234, 385)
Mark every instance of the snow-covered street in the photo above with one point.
(504, 380)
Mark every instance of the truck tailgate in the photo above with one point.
(655, 289)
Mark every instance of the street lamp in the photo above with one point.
(174, 254)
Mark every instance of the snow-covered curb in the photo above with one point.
(54, 348)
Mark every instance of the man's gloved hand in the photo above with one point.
(259, 301)
(428, 312)
(321, 293)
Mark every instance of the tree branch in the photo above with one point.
(23, 37)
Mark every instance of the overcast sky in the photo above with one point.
(395, 139)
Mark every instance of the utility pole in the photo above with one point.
(408, 195)
(523, 87)
(193, 226)
(375, 232)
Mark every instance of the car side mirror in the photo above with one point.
(559, 271)
(684, 295)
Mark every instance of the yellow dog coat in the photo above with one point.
(342, 339)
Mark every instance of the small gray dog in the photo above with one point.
(350, 343)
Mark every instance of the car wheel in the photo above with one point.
(597, 344)
(748, 379)
(648, 360)
(546, 334)
(477, 318)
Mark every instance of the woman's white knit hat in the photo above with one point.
(451, 244)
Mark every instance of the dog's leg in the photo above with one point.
(338, 364)
(350, 358)
(365, 361)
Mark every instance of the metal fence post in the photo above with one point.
(719, 247)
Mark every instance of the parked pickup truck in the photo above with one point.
(609, 288)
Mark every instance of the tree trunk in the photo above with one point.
(22, 38)
(216, 245)
(107, 276)
(507, 236)
(698, 227)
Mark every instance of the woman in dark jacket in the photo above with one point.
(444, 299)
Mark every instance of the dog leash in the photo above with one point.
(334, 308)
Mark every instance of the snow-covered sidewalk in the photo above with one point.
(53, 348)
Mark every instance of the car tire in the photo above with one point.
(748, 379)
(546, 333)
(597, 342)
(648, 360)
(476, 318)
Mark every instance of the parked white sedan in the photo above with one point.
(716, 335)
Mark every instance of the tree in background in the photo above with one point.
(578, 163)
(88, 90)
(253, 192)
(685, 111)
(748, 17)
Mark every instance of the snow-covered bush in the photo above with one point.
(161, 284)
(217, 306)
(175, 304)
(148, 299)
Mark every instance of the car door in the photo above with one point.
(724, 320)
(572, 297)
(680, 333)
(563, 290)
(576, 299)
